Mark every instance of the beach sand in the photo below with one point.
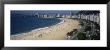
(55, 32)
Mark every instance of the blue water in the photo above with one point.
(23, 23)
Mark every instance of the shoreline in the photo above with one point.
(38, 29)
(54, 32)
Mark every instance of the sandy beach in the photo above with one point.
(55, 32)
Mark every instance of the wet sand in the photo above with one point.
(55, 32)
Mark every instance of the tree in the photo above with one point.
(81, 36)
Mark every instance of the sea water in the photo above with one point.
(23, 23)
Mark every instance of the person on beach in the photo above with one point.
(40, 35)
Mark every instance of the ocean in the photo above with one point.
(23, 23)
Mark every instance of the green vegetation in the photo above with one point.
(81, 36)
(88, 28)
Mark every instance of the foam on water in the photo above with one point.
(62, 21)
